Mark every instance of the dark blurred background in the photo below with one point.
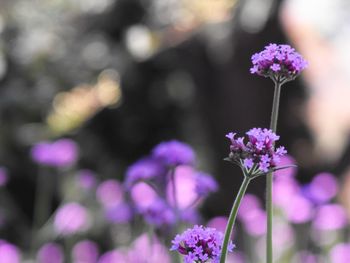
(120, 76)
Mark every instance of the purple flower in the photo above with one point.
(144, 250)
(185, 181)
(85, 251)
(9, 253)
(255, 222)
(218, 223)
(299, 209)
(249, 203)
(143, 170)
(340, 253)
(200, 244)
(330, 217)
(110, 193)
(205, 184)
(257, 155)
(61, 153)
(173, 153)
(70, 219)
(190, 215)
(280, 62)
(50, 253)
(322, 188)
(158, 214)
(86, 179)
(142, 195)
(113, 257)
(121, 213)
(288, 172)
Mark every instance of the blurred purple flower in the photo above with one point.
(190, 215)
(143, 170)
(85, 251)
(3, 176)
(50, 253)
(70, 219)
(249, 203)
(86, 179)
(322, 188)
(299, 210)
(110, 193)
(185, 181)
(205, 184)
(9, 253)
(158, 214)
(340, 253)
(121, 213)
(142, 195)
(173, 153)
(278, 61)
(200, 244)
(283, 190)
(61, 153)
(113, 257)
(145, 250)
(218, 223)
(330, 217)
(255, 222)
(287, 172)
(258, 151)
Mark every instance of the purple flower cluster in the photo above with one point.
(258, 155)
(154, 181)
(200, 244)
(60, 153)
(143, 170)
(205, 184)
(173, 153)
(70, 219)
(280, 62)
(159, 214)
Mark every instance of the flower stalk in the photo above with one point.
(232, 218)
(269, 177)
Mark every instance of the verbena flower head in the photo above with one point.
(71, 218)
(110, 193)
(60, 153)
(50, 253)
(158, 214)
(257, 155)
(85, 251)
(143, 170)
(9, 253)
(279, 62)
(174, 153)
(200, 244)
(205, 184)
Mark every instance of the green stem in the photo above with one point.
(232, 218)
(269, 177)
(42, 203)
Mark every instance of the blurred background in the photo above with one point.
(120, 76)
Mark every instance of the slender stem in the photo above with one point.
(275, 106)
(174, 191)
(174, 195)
(269, 177)
(232, 218)
(42, 203)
